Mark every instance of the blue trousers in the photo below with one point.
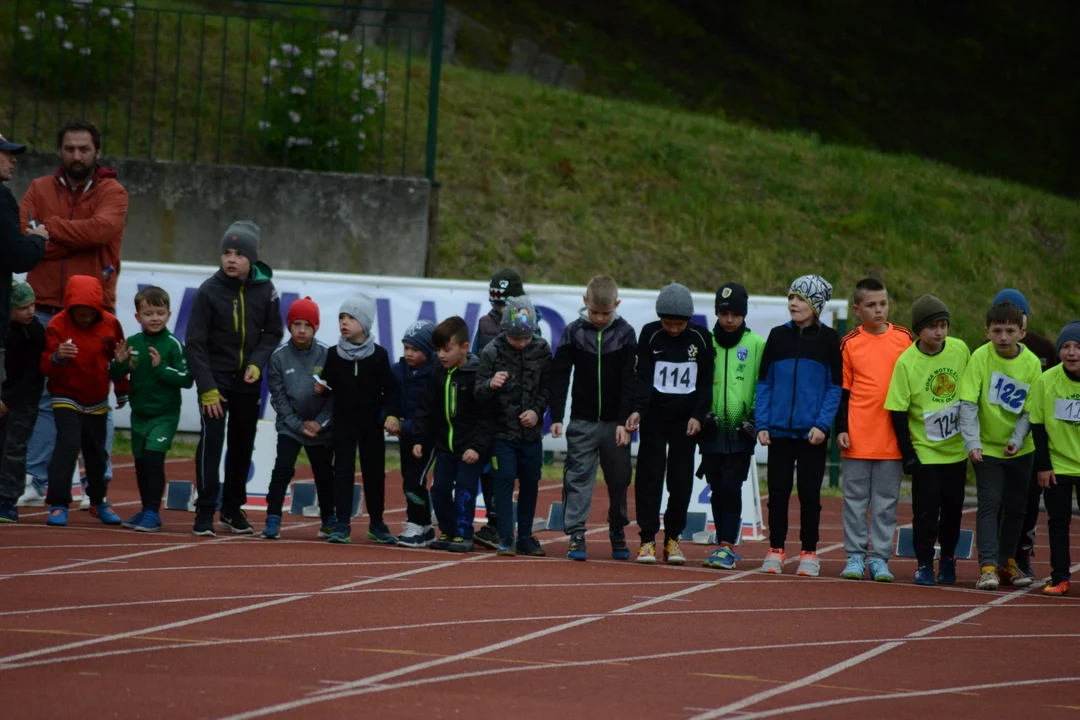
(453, 493)
(522, 462)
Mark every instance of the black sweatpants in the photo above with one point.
(239, 423)
(1031, 517)
(725, 473)
(1058, 499)
(937, 503)
(77, 431)
(16, 427)
(414, 474)
(664, 445)
(322, 467)
(368, 439)
(487, 488)
(784, 455)
(150, 477)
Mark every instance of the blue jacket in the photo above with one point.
(411, 384)
(799, 384)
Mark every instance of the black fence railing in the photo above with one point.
(319, 87)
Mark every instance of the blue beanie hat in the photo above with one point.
(1069, 332)
(419, 336)
(1013, 297)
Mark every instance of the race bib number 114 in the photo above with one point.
(675, 378)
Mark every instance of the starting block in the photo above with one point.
(303, 496)
(695, 522)
(905, 544)
(555, 517)
(180, 495)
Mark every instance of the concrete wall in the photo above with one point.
(310, 221)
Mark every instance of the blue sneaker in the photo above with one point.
(577, 547)
(272, 531)
(9, 513)
(924, 575)
(327, 528)
(879, 571)
(342, 534)
(619, 549)
(723, 558)
(947, 571)
(134, 520)
(57, 516)
(149, 522)
(855, 568)
(105, 514)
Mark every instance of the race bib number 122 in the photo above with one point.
(1007, 393)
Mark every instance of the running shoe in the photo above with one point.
(989, 579)
(646, 554)
(809, 565)
(34, 496)
(379, 533)
(1057, 589)
(327, 528)
(440, 543)
(9, 513)
(577, 547)
(132, 521)
(924, 575)
(619, 549)
(105, 514)
(1023, 561)
(236, 522)
(57, 516)
(204, 523)
(487, 536)
(774, 561)
(272, 531)
(150, 522)
(946, 574)
(723, 558)
(879, 571)
(855, 568)
(342, 534)
(461, 545)
(507, 547)
(416, 536)
(530, 546)
(1010, 574)
(673, 553)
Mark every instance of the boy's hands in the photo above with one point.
(1047, 478)
(1011, 449)
(763, 438)
(528, 419)
(319, 388)
(155, 357)
(123, 352)
(633, 422)
(844, 441)
(312, 428)
(975, 455)
(214, 410)
(252, 374)
(622, 436)
(418, 451)
(816, 437)
(470, 457)
(693, 427)
(393, 426)
(498, 380)
(3, 409)
(67, 350)
(556, 430)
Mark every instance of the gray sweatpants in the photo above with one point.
(1002, 486)
(586, 443)
(874, 486)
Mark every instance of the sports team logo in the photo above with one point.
(692, 351)
(742, 353)
(942, 384)
(726, 293)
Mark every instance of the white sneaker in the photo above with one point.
(31, 497)
(84, 504)
(989, 579)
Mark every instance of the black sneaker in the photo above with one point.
(204, 523)
(530, 546)
(619, 549)
(235, 522)
(379, 533)
(440, 543)
(1023, 562)
(461, 545)
(488, 536)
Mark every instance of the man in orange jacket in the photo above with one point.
(84, 208)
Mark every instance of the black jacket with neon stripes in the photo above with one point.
(450, 416)
(233, 323)
(604, 364)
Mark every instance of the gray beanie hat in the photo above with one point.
(926, 311)
(814, 289)
(244, 237)
(519, 317)
(362, 308)
(1069, 332)
(675, 301)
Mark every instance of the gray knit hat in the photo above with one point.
(926, 311)
(362, 308)
(244, 237)
(814, 289)
(519, 317)
(675, 301)
(1069, 332)
(21, 294)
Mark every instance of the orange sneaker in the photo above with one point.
(1058, 589)
(774, 561)
(809, 565)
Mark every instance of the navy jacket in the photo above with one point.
(411, 384)
(799, 384)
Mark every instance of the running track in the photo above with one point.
(98, 621)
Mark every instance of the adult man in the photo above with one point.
(84, 208)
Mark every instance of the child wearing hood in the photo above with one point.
(412, 372)
(357, 375)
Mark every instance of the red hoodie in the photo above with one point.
(82, 383)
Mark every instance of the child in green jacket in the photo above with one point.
(158, 367)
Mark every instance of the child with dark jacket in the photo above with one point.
(235, 325)
(366, 402)
(798, 396)
(450, 418)
(412, 373)
(80, 342)
(22, 387)
(675, 379)
(515, 375)
(303, 418)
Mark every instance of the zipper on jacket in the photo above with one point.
(243, 327)
(727, 353)
(599, 375)
(795, 377)
(448, 398)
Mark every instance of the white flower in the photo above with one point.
(355, 95)
(358, 49)
(290, 141)
(361, 135)
(267, 80)
(264, 125)
(130, 14)
(24, 30)
(332, 35)
(344, 38)
(67, 45)
(328, 52)
(369, 111)
(358, 117)
(308, 73)
(104, 12)
(290, 49)
(274, 63)
(360, 146)
(303, 142)
(349, 65)
(128, 5)
(332, 143)
(82, 2)
(115, 22)
(297, 90)
(84, 51)
(60, 24)
(40, 15)
(322, 63)
(294, 116)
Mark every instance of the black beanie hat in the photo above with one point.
(732, 296)
(505, 283)
(926, 310)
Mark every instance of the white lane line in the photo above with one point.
(859, 659)
(83, 546)
(43, 513)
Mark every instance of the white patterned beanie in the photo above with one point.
(814, 289)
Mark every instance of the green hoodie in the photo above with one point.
(155, 391)
(735, 377)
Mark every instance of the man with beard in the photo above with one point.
(84, 208)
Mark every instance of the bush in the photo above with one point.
(320, 103)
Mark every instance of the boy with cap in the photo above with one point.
(366, 402)
(729, 435)
(515, 375)
(924, 405)
(412, 373)
(674, 383)
(872, 461)
(1048, 357)
(1054, 407)
(158, 369)
(798, 396)
(995, 428)
(234, 326)
(600, 348)
(303, 417)
(22, 387)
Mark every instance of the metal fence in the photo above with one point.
(272, 83)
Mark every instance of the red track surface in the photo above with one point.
(99, 621)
